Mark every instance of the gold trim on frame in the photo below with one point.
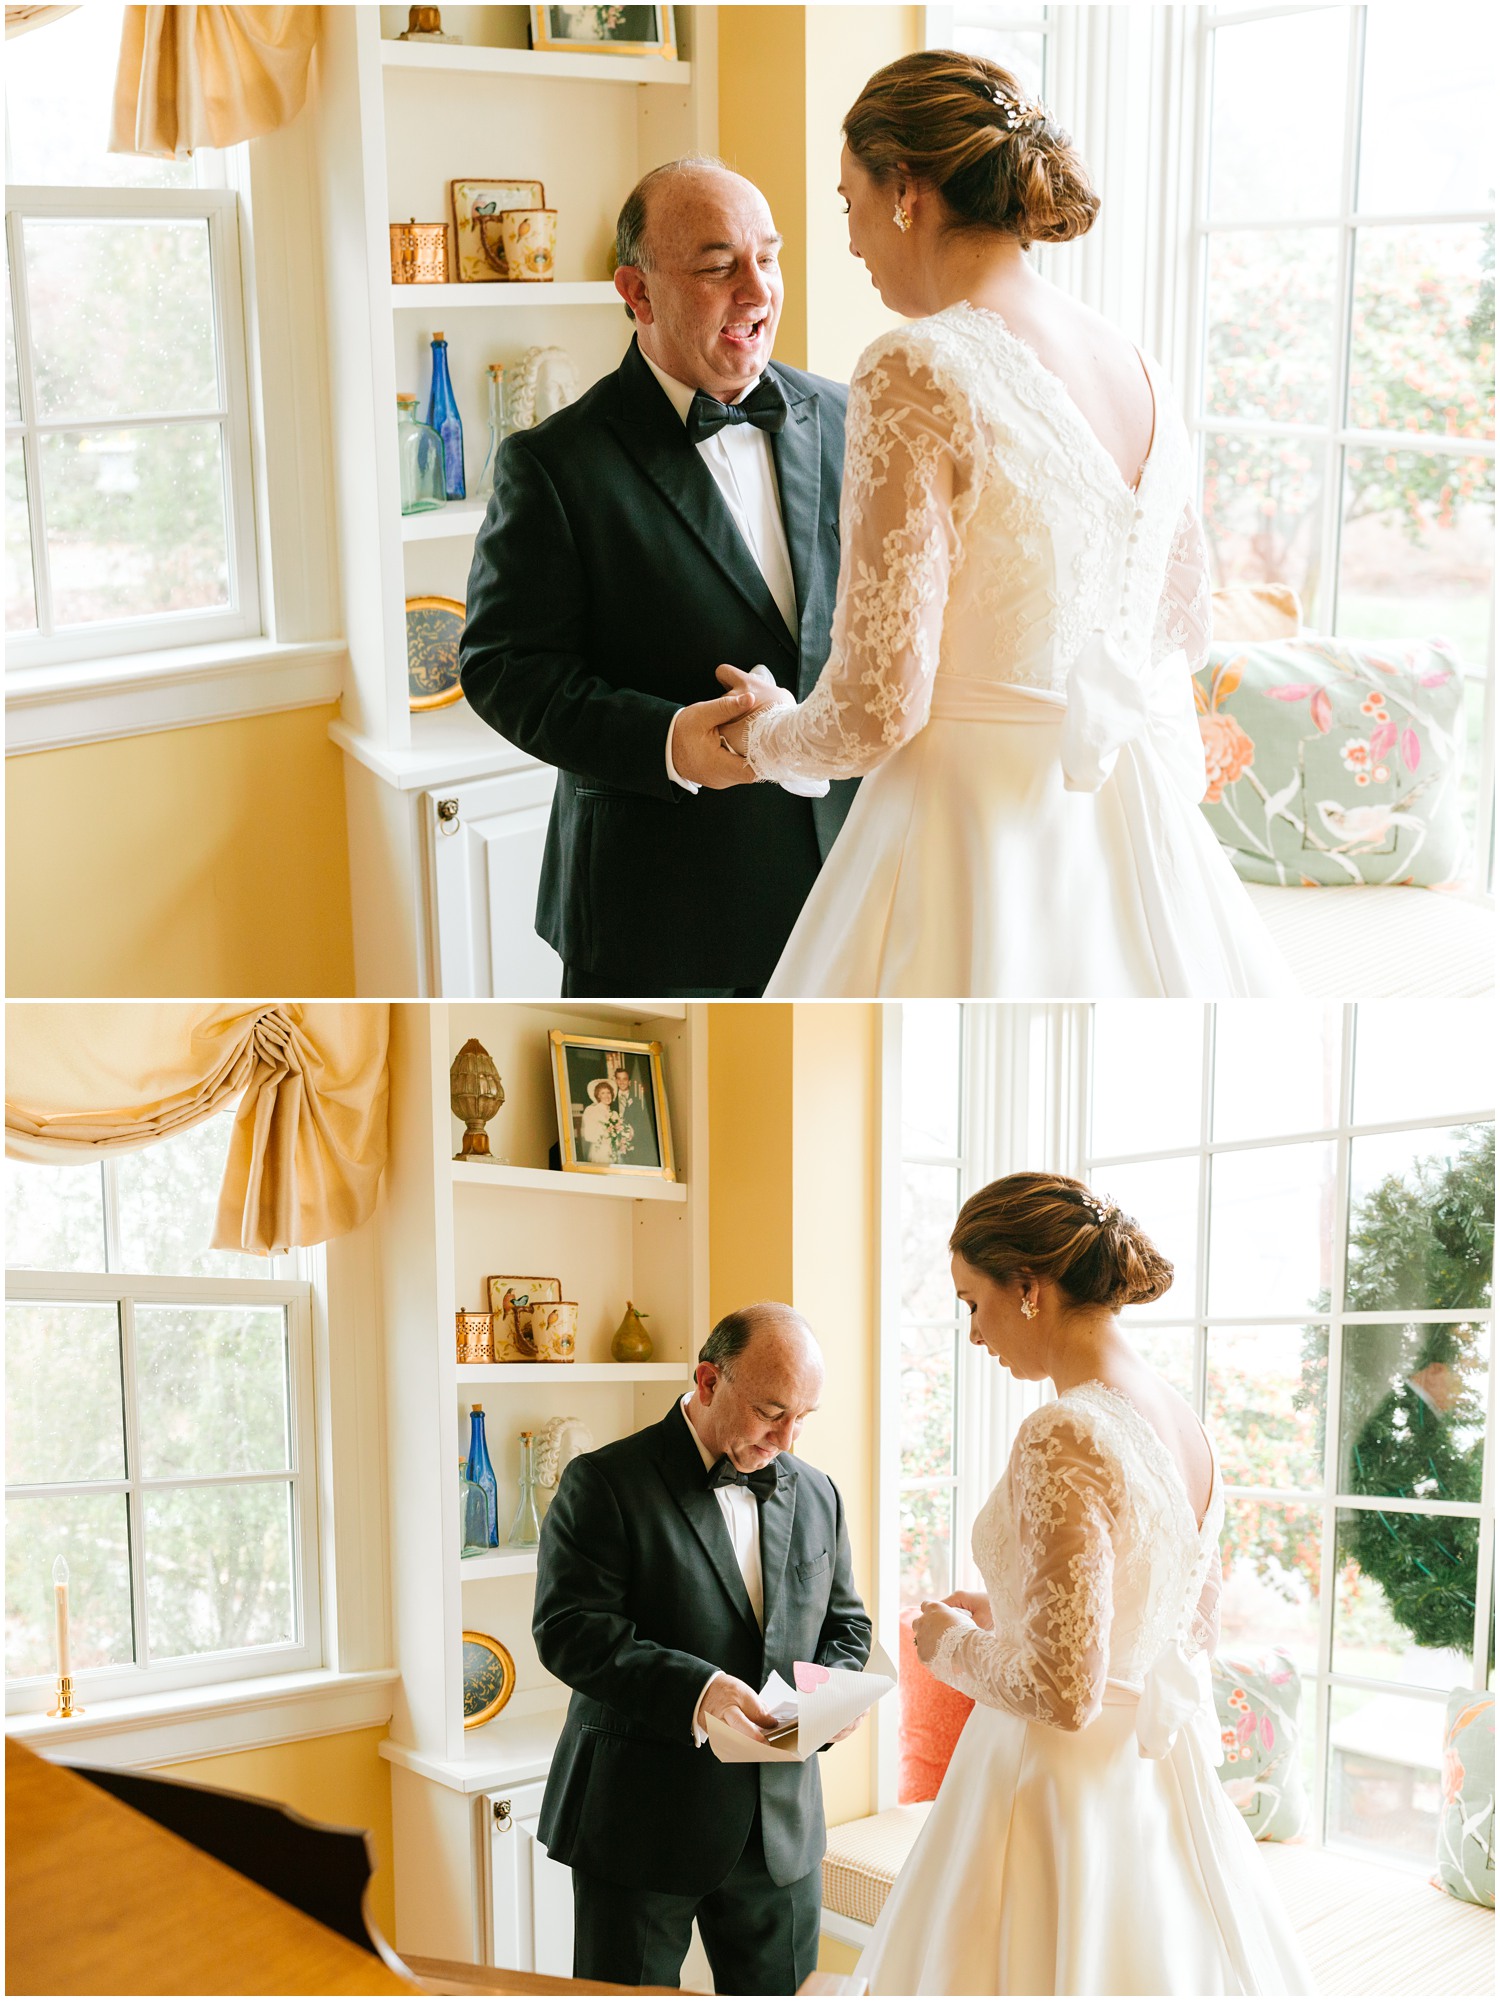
(543, 38)
(507, 1683)
(561, 1042)
(451, 695)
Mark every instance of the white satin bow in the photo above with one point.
(1115, 700)
(1176, 1694)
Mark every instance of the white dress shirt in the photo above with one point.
(741, 1512)
(739, 457)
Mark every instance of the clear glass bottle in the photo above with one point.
(482, 1473)
(473, 1514)
(526, 1529)
(442, 416)
(497, 428)
(421, 452)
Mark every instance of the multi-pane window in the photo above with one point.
(129, 507)
(158, 1431)
(1346, 390)
(1322, 1178)
(1018, 38)
(931, 1351)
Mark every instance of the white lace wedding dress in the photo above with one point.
(1010, 671)
(1081, 1842)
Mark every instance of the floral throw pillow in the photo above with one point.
(1334, 762)
(1466, 1826)
(1257, 1696)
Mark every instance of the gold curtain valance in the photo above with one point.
(309, 1139)
(209, 76)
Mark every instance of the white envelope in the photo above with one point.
(824, 1702)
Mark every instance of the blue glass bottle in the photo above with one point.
(442, 417)
(482, 1473)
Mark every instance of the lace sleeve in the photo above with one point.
(1203, 1627)
(1184, 614)
(1053, 1669)
(905, 466)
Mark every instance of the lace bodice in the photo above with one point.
(1094, 1563)
(986, 533)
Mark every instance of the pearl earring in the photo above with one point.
(1028, 1309)
(901, 219)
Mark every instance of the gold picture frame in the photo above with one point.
(434, 626)
(594, 31)
(597, 1133)
(489, 1680)
(477, 254)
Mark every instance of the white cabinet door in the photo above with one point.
(531, 1896)
(485, 840)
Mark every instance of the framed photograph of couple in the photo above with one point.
(613, 31)
(611, 1106)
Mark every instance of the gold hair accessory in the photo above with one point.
(901, 219)
(1102, 1212)
(1017, 113)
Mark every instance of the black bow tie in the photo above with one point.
(765, 407)
(724, 1473)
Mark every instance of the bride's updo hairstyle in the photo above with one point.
(965, 126)
(1050, 1226)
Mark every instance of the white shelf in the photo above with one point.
(442, 524)
(507, 1563)
(576, 1372)
(543, 294)
(542, 1180)
(516, 1745)
(562, 64)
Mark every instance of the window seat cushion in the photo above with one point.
(1366, 1928)
(1382, 943)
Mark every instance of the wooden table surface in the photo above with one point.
(100, 1900)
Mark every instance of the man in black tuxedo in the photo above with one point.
(682, 514)
(677, 1569)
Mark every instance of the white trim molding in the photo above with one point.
(144, 1731)
(53, 708)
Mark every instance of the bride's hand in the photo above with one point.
(976, 1604)
(929, 1628)
(761, 691)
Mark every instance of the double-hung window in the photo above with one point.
(1323, 1180)
(1346, 393)
(130, 517)
(159, 1432)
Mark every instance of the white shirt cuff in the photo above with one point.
(686, 783)
(700, 1735)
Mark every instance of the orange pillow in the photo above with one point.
(932, 1718)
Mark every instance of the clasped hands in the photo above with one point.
(708, 738)
(939, 1614)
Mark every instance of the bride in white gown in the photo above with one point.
(1023, 595)
(1081, 1842)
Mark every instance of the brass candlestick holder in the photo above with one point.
(65, 1704)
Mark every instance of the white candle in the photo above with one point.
(60, 1592)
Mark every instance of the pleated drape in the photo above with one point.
(309, 1139)
(209, 76)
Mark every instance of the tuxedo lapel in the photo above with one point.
(778, 1513)
(656, 439)
(682, 1469)
(797, 449)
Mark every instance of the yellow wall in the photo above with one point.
(793, 1118)
(198, 861)
(341, 1779)
(787, 75)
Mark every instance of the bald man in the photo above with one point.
(677, 1569)
(684, 512)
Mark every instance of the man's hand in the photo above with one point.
(736, 1703)
(700, 754)
(976, 1604)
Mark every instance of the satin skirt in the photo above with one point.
(967, 868)
(1063, 1862)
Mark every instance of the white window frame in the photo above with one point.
(1335, 437)
(127, 1291)
(1327, 1500)
(241, 618)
